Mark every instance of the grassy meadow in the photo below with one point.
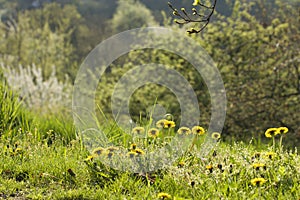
(42, 158)
(255, 47)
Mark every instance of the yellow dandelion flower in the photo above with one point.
(256, 155)
(181, 164)
(198, 130)
(281, 130)
(270, 132)
(161, 123)
(163, 195)
(258, 165)
(139, 151)
(215, 135)
(169, 124)
(209, 167)
(89, 158)
(99, 151)
(184, 130)
(138, 130)
(258, 181)
(132, 154)
(18, 150)
(153, 132)
(270, 155)
(133, 146)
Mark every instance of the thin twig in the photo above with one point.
(184, 16)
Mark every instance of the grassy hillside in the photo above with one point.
(255, 47)
(45, 162)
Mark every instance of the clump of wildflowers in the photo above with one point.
(272, 132)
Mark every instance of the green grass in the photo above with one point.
(39, 171)
(41, 158)
(32, 168)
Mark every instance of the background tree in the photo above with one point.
(260, 66)
(259, 63)
(45, 37)
(128, 17)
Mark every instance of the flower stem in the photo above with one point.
(280, 144)
(273, 138)
(193, 143)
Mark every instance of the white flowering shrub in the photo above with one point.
(43, 95)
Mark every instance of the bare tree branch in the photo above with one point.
(185, 18)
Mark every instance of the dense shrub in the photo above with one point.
(44, 95)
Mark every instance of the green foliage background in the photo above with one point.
(259, 60)
(255, 45)
(258, 57)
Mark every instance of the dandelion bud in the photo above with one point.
(175, 12)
